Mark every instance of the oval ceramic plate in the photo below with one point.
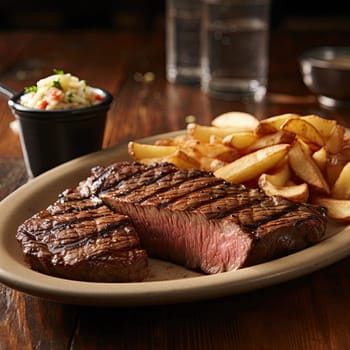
(168, 283)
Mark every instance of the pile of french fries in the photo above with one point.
(305, 158)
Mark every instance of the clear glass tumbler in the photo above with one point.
(234, 47)
(183, 20)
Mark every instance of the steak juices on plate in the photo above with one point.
(106, 228)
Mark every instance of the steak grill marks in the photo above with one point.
(137, 183)
(164, 186)
(200, 221)
(67, 225)
(81, 238)
(188, 216)
(110, 178)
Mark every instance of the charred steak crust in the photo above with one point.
(197, 220)
(189, 217)
(82, 239)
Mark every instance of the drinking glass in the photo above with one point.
(234, 48)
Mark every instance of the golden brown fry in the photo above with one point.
(341, 187)
(271, 139)
(298, 193)
(167, 141)
(297, 157)
(304, 166)
(178, 158)
(320, 158)
(335, 164)
(182, 160)
(324, 126)
(240, 140)
(334, 142)
(273, 124)
(280, 175)
(337, 209)
(204, 133)
(252, 165)
(211, 164)
(142, 150)
(331, 132)
(214, 151)
(306, 131)
(172, 141)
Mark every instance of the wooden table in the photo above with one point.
(310, 312)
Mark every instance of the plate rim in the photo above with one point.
(17, 276)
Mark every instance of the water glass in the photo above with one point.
(234, 48)
(183, 19)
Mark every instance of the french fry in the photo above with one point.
(303, 129)
(240, 140)
(305, 158)
(178, 158)
(273, 124)
(215, 140)
(334, 142)
(324, 126)
(240, 121)
(271, 139)
(304, 166)
(140, 151)
(211, 150)
(204, 133)
(211, 164)
(167, 141)
(280, 175)
(250, 166)
(341, 187)
(337, 209)
(182, 160)
(173, 141)
(320, 158)
(205, 154)
(334, 166)
(298, 193)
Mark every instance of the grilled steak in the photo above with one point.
(95, 231)
(195, 219)
(80, 238)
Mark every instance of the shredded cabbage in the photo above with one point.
(60, 91)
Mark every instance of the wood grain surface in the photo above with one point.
(308, 313)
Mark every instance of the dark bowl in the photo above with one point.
(51, 137)
(326, 72)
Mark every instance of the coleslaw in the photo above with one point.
(60, 91)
